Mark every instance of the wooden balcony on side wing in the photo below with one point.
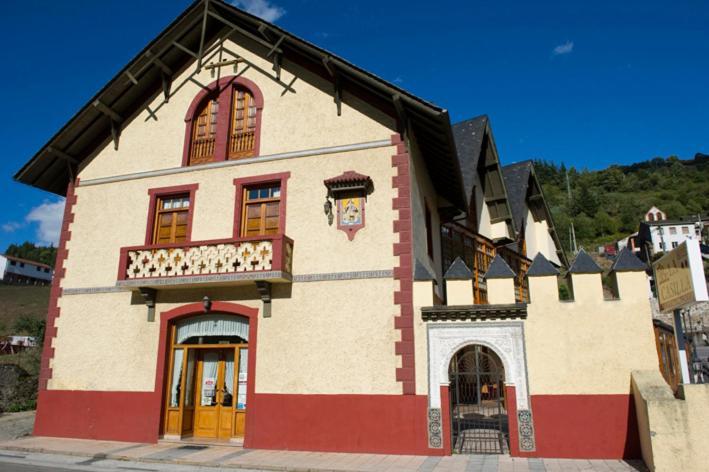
(232, 261)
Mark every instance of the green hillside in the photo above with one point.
(18, 302)
(607, 205)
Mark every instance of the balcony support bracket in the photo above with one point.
(149, 295)
(264, 290)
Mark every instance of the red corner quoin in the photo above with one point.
(404, 320)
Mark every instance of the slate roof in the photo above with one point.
(458, 271)
(468, 136)
(499, 269)
(541, 267)
(626, 261)
(421, 272)
(583, 264)
(517, 183)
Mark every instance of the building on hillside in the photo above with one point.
(631, 242)
(655, 214)
(15, 344)
(271, 268)
(17, 271)
(664, 235)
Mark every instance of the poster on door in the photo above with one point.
(208, 390)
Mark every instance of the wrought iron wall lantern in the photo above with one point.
(349, 192)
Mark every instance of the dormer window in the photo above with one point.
(223, 122)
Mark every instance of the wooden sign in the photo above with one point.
(679, 277)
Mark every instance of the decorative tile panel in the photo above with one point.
(525, 428)
(435, 428)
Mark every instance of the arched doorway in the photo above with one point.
(206, 381)
(478, 405)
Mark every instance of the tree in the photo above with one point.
(33, 252)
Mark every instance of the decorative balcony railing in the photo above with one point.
(252, 258)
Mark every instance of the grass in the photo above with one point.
(17, 301)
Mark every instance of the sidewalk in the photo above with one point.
(227, 456)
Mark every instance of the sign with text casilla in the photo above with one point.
(679, 277)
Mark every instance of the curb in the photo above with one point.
(118, 457)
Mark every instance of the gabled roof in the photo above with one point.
(185, 40)
(518, 177)
(458, 271)
(477, 154)
(499, 269)
(541, 267)
(421, 272)
(583, 264)
(468, 136)
(626, 261)
(517, 182)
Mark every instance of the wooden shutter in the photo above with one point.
(261, 211)
(242, 132)
(171, 219)
(204, 130)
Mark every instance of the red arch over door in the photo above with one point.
(196, 309)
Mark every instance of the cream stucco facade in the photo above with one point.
(112, 210)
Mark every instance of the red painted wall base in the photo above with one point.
(566, 426)
(585, 426)
(387, 424)
(114, 416)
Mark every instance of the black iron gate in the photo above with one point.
(478, 414)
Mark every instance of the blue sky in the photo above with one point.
(585, 83)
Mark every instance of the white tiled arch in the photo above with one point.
(506, 339)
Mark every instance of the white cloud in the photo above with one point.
(565, 48)
(262, 8)
(398, 80)
(48, 217)
(11, 226)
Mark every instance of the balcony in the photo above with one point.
(233, 261)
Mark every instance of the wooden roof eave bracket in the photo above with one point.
(72, 163)
(401, 115)
(203, 33)
(116, 121)
(337, 84)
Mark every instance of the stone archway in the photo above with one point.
(506, 340)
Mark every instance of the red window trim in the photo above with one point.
(240, 183)
(224, 89)
(163, 192)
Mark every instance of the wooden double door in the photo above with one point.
(207, 392)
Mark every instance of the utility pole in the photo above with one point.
(572, 232)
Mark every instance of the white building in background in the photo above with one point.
(17, 271)
(655, 214)
(658, 234)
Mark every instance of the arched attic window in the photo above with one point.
(659, 216)
(204, 132)
(223, 122)
(651, 217)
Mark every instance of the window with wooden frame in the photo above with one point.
(172, 214)
(242, 132)
(204, 133)
(261, 210)
(223, 122)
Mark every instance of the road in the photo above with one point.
(12, 461)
